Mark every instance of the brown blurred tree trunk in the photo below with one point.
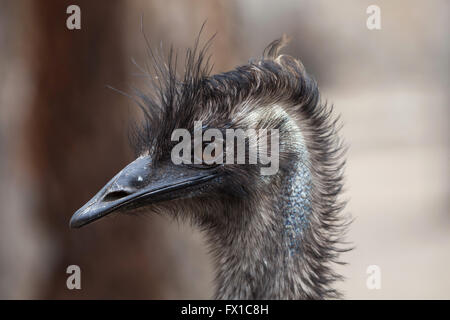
(77, 134)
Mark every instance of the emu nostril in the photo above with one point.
(116, 195)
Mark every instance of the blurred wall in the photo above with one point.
(63, 135)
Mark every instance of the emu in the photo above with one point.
(271, 236)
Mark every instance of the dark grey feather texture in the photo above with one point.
(272, 237)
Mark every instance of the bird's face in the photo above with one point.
(148, 183)
(157, 177)
(252, 97)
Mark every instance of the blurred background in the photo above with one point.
(63, 134)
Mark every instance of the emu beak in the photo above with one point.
(138, 185)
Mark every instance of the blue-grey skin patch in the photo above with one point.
(296, 202)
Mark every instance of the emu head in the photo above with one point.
(256, 96)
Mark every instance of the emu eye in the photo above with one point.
(208, 153)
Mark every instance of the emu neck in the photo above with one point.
(263, 257)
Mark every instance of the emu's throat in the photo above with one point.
(295, 204)
(263, 258)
